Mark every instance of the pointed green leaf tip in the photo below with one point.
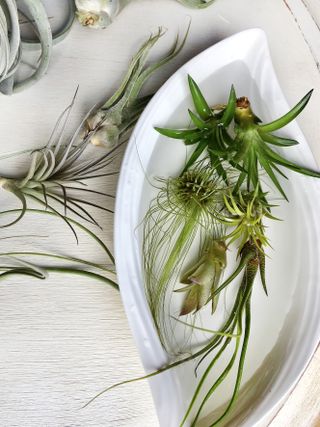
(177, 133)
(199, 101)
(277, 140)
(287, 118)
(228, 113)
(197, 121)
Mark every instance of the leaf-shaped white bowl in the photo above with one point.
(286, 328)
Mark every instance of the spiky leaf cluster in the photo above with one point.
(236, 137)
(245, 212)
(209, 132)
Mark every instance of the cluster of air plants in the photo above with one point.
(58, 175)
(58, 170)
(237, 146)
(220, 197)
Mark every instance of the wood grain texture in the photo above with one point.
(65, 339)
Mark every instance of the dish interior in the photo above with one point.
(273, 316)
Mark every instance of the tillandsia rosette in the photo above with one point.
(210, 131)
(57, 172)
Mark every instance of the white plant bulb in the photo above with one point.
(97, 13)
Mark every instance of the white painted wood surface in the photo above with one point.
(65, 339)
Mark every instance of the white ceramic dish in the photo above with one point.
(286, 328)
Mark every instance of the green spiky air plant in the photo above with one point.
(252, 142)
(245, 214)
(184, 207)
(209, 132)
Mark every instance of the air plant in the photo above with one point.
(252, 141)
(55, 177)
(203, 278)
(209, 133)
(245, 212)
(13, 44)
(108, 124)
(185, 206)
